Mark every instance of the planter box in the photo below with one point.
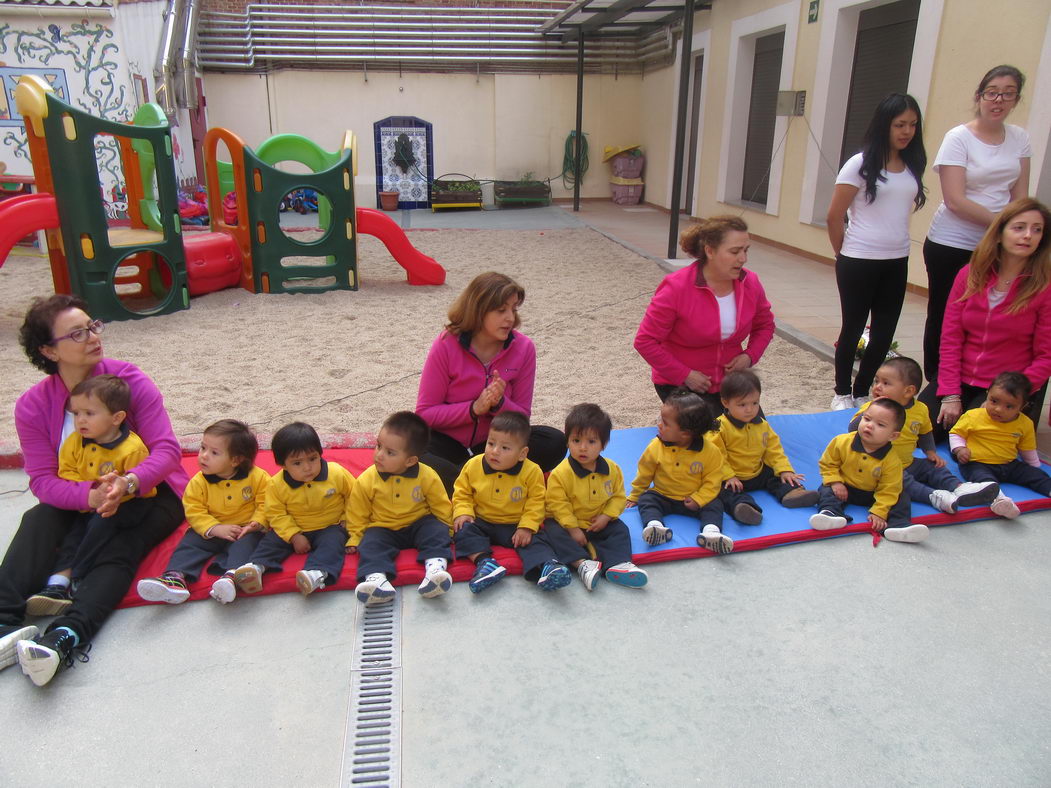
(524, 192)
(468, 195)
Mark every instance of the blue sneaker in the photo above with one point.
(486, 573)
(554, 576)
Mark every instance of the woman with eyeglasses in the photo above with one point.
(63, 341)
(983, 165)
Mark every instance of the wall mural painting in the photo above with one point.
(80, 60)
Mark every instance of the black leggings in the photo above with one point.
(942, 263)
(867, 286)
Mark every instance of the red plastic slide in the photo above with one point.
(422, 270)
(22, 215)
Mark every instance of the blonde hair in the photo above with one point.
(485, 293)
(709, 232)
(986, 258)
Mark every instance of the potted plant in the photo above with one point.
(525, 191)
(389, 200)
(451, 193)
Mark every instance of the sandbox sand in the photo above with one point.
(344, 360)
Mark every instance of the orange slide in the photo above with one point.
(421, 269)
(22, 215)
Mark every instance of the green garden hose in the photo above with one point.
(568, 174)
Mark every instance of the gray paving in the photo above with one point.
(829, 663)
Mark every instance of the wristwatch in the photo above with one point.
(133, 484)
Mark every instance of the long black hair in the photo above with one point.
(875, 148)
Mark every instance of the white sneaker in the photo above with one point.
(976, 493)
(943, 501)
(842, 402)
(1003, 506)
(224, 590)
(249, 578)
(656, 534)
(827, 521)
(375, 589)
(435, 584)
(310, 580)
(715, 540)
(588, 572)
(9, 638)
(627, 574)
(910, 533)
(859, 401)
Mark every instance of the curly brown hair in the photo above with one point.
(36, 331)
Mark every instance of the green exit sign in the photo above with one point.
(811, 16)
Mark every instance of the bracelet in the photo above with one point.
(952, 398)
(133, 485)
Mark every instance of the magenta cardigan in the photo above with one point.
(680, 330)
(978, 344)
(40, 414)
(453, 377)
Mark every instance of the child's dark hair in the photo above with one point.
(513, 423)
(240, 441)
(740, 384)
(412, 428)
(294, 438)
(691, 412)
(589, 417)
(111, 391)
(908, 370)
(894, 407)
(1014, 383)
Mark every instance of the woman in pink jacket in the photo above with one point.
(478, 366)
(709, 318)
(63, 341)
(998, 316)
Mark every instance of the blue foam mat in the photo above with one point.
(804, 438)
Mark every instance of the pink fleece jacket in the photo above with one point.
(680, 330)
(41, 411)
(978, 343)
(453, 377)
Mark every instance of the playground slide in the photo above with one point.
(22, 215)
(422, 270)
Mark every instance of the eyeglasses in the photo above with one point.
(993, 95)
(96, 327)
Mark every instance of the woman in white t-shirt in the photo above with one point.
(983, 165)
(878, 189)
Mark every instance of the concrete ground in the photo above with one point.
(827, 663)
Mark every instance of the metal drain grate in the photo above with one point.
(372, 745)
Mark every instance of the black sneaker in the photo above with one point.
(41, 657)
(54, 600)
(9, 636)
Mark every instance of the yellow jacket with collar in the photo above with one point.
(81, 459)
(680, 471)
(845, 460)
(917, 424)
(293, 507)
(747, 447)
(575, 495)
(210, 500)
(395, 501)
(512, 497)
(995, 442)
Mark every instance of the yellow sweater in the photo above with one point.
(512, 497)
(293, 507)
(917, 423)
(575, 495)
(81, 459)
(210, 500)
(395, 501)
(995, 442)
(680, 471)
(845, 460)
(747, 447)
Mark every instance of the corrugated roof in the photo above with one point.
(63, 3)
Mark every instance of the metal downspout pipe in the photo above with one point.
(580, 118)
(163, 71)
(186, 66)
(680, 127)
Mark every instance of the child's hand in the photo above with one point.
(598, 522)
(578, 536)
(839, 490)
(460, 521)
(251, 528)
(230, 533)
(878, 523)
(631, 504)
(521, 537)
(351, 549)
(300, 544)
(733, 483)
(962, 455)
(793, 479)
(936, 458)
(691, 504)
